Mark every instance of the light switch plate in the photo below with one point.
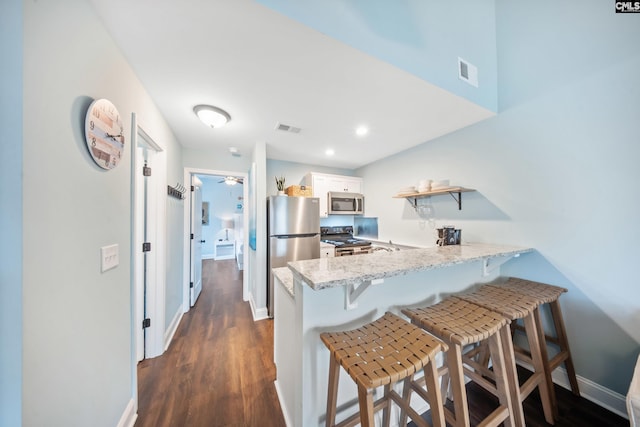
(110, 257)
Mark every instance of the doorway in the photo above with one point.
(218, 236)
(147, 243)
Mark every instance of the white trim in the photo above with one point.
(208, 256)
(171, 330)
(155, 294)
(600, 395)
(129, 416)
(258, 314)
(285, 412)
(186, 262)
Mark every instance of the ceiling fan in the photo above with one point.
(231, 180)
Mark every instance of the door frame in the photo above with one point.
(195, 222)
(186, 261)
(154, 343)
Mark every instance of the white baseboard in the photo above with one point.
(285, 412)
(129, 417)
(171, 330)
(208, 256)
(257, 313)
(601, 396)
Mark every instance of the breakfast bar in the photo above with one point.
(334, 294)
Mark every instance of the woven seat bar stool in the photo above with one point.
(548, 294)
(383, 353)
(463, 325)
(515, 306)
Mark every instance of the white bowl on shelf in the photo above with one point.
(442, 183)
(407, 190)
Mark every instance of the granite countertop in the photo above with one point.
(285, 276)
(350, 270)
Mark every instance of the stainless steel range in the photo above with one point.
(342, 238)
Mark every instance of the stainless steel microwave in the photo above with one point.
(345, 203)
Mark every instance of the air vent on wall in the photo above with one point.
(467, 72)
(287, 128)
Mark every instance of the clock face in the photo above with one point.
(104, 133)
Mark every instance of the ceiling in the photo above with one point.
(264, 68)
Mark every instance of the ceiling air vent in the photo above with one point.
(467, 72)
(287, 128)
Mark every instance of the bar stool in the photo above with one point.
(516, 306)
(461, 323)
(548, 294)
(382, 353)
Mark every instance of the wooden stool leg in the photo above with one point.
(365, 398)
(435, 398)
(544, 355)
(539, 370)
(386, 411)
(456, 376)
(504, 367)
(332, 394)
(406, 397)
(561, 332)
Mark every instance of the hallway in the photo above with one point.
(219, 369)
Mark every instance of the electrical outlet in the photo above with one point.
(110, 257)
(467, 72)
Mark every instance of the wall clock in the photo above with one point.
(104, 133)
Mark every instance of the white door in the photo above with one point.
(145, 246)
(196, 239)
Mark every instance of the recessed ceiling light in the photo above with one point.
(329, 152)
(211, 116)
(362, 130)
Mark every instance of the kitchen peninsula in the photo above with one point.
(332, 294)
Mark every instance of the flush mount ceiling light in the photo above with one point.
(211, 116)
(362, 130)
(329, 152)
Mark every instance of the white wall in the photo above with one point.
(174, 237)
(11, 223)
(77, 358)
(215, 158)
(257, 259)
(556, 170)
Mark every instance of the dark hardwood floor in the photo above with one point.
(573, 411)
(219, 371)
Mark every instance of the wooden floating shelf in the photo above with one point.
(420, 195)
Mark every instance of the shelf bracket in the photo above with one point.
(458, 200)
(488, 268)
(353, 292)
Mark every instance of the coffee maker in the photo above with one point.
(448, 235)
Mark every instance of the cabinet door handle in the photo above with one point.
(202, 241)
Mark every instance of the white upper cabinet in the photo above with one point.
(347, 184)
(322, 183)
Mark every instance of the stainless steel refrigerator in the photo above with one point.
(293, 230)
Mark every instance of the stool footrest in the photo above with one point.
(354, 419)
